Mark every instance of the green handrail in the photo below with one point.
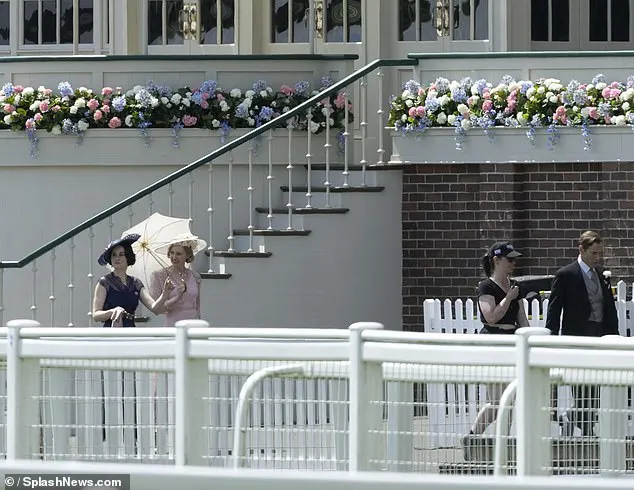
(519, 54)
(353, 77)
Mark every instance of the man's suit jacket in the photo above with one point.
(568, 293)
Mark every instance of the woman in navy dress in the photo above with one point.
(117, 294)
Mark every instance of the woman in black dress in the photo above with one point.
(501, 312)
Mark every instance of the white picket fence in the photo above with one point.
(453, 407)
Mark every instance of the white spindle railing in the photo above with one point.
(210, 216)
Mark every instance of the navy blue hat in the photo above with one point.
(104, 258)
(503, 249)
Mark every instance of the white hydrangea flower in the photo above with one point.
(619, 120)
(215, 123)
(627, 94)
(28, 91)
(17, 99)
(186, 102)
(314, 127)
(82, 125)
(601, 86)
(553, 99)
(585, 112)
(249, 93)
(441, 118)
(35, 106)
(403, 117)
(56, 129)
(626, 106)
(451, 119)
(541, 90)
(41, 88)
(522, 118)
(8, 119)
(235, 93)
(73, 109)
(530, 92)
(465, 123)
(165, 100)
(409, 103)
(264, 93)
(444, 100)
(154, 102)
(80, 102)
(463, 109)
(251, 121)
(406, 94)
(128, 120)
(176, 99)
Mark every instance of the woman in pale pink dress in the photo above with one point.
(183, 303)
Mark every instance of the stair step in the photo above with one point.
(214, 275)
(336, 189)
(226, 253)
(311, 210)
(358, 168)
(465, 469)
(272, 232)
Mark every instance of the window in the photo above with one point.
(171, 22)
(51, 22)
(4, 22)
(335, 21)
(427, 20)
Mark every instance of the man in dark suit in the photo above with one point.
(583, 292)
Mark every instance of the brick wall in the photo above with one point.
(452, 213)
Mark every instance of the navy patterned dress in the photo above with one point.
(124, 295)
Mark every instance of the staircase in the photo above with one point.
(331, 260)
(569, 456)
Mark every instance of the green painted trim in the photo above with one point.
(334, 88)
(521, 54)
(172, 57)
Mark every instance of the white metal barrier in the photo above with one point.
(159, 477)
(315, 399)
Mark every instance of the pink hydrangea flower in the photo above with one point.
(340, 101)
(115, 122)
(487, 105)
(38, 117)
(105, 109)
(412, 112)
(560, 115)
(420, 111)
(56, 108)
(44, 106)
(189, 120)
(97, 115)
(286, 90)
(8, 108)
(30, 124)
(92, 104)
(18, 89)
(106, 91)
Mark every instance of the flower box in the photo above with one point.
(128, 147)
(513, 145)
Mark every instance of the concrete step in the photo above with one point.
(337, 178)
(242, 239)
(568, 453)
(318, 194)
(280, 216)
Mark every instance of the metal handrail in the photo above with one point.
(273, 123)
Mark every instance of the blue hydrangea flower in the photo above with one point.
(266, 113)
(7, 89)
(480, 86)
(242, 111)
(301, 87)
(143, 97)
(412, 86)
(259, 85)
(599, 78)
(161, 90)
(459, 95)
(65, 89)
(118, 103)
(325, 83)
(209, 87)
(525, 86)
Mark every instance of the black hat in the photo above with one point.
(104, 258)
(503, 249)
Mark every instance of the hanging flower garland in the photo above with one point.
(545, 103)
(72, 111)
